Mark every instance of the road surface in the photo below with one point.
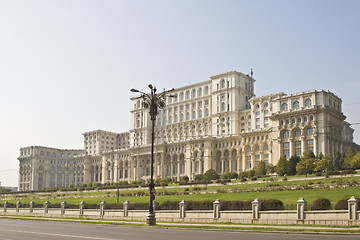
(13, 229)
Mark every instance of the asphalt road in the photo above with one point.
(11, 229)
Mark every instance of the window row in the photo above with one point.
(296, 105)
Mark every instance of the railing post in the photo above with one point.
(18, 205)
(182, 208)
(32, 205)
(5, 206)
(301, 206)
(155, 205)
(256, 207)
(352, 207)
(82, 206)
(126, 206)
(102, 208)
(46, 206)
(64, 205)
(217, 208)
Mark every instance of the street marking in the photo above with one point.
(58, 235)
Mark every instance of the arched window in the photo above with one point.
(248, 149)
(284, 107)
(193, 115)
(296, 105)
(206, 90)
(246, 87)
(170, 119)
(297, 133)
(181, 117)
(286, 134)
(266, 147)
(200, 113)
(266, 105)
(176, 118)
(187, 95)
(222, 106)
(257, 148)
(187, 116)
(193, 93)
(308, 102)
(181, 96)
(200, 92)
(223, 83)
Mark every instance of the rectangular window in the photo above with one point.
(286, 145)
(298, 143)
(257, 126)
(310, 142)
(266, 111)
(257, 120)
(257, 113)
(298, 151)
(286, 153)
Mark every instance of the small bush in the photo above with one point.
(342, 204)
(349, 171)
(243, 179)
(321, 204)
(253, 178)
(329, 173)
(272, 204)
(318, 174)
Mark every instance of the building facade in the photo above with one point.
(217, 124)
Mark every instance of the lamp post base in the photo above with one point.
(150, 219)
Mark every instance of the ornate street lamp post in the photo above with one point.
(152, 101)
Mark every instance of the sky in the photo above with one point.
(67, 67)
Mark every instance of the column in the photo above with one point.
(291, 147)
(252, 160)
(315, 145)
(103, 173)
(303, 144)
(182, 208)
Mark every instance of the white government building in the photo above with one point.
(217, 124)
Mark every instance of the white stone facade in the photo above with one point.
(216, 124)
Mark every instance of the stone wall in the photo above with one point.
(253, 216)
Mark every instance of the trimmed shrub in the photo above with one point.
(167, 205)
(318, 174)
(321, 204)
(204, 205)
(140, 206)
(272, 204)
(342, 204)
(236, 205)
(111, 206)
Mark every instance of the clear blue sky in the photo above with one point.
(66, 66)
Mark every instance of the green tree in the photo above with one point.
(338, 161)
(308, 154)
(355, 162)
(324, 164)
(260, 169)
(348, 158)
(281, 166)
(291, 165)
(306, 166)
(270, 168)
(210, 175)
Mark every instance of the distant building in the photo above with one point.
(216, 124)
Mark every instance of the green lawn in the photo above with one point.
(287, 197)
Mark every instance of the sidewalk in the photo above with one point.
(208, 226)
